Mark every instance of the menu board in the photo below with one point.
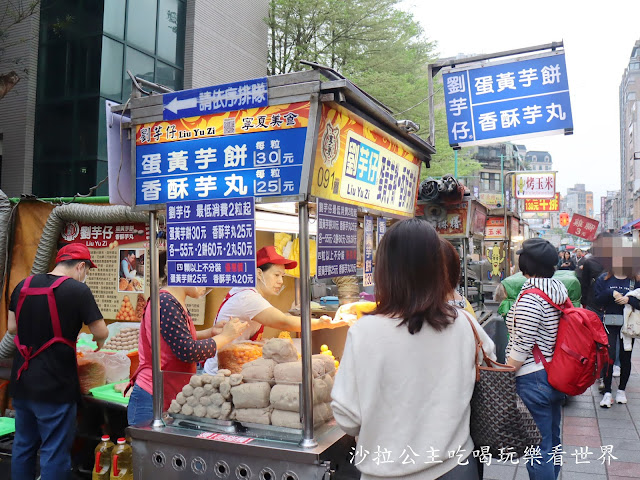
(212, 243)
(121, 283)
(337, 239)
(367, 280)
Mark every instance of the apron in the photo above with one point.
(27, 352)
(169, 363)
(256, 336)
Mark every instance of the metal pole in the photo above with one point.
(158, 384)
(432, 122)
(305, 322)
(502, 181)
(465, 252)
(455, 164)
(507, 231)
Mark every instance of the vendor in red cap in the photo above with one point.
(249, 304)
(46, 313)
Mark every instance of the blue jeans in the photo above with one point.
(50, 427)
(545, 404)
(140, 409)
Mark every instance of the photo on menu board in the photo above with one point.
(132, 271)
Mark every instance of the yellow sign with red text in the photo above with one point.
(542, 204)
(358, 164)
(263, 119)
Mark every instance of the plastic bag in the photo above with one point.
(234, 355)
(117, 367)
(91, 370)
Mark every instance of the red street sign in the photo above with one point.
(583, 227)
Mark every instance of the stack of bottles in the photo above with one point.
(113, 462)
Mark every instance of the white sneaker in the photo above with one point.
(601, 385)
(621, 397)
(616, 371)
(607, 401)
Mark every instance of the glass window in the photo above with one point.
(140, 65)
(111, 75)
(86, 137)
(84, 65)
(141, 24)
(113, 23)
(53, 61)
(171, 18)
(168, 76)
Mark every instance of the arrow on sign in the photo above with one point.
(175, 104)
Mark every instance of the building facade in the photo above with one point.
(496, 159)
(578, 200)
(77, 54)
(629, 95)
(611, 211)
(539, 161)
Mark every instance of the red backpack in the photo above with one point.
(581, 348)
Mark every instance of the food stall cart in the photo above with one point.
(463, 225)
(311, 138)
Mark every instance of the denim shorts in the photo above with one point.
(140, 409)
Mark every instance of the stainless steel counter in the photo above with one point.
(198, 452)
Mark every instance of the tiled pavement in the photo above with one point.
(586, 424)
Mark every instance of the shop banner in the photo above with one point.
(514, 224)
(491, 199)
(357, 164)
(368, 251)
(256, 164)
(120, 284)
(337, 246)
(542, 204)
(495, 228)
(502, 100)
(263, 119)
(535, 185)
(455, 222)
(479, 221)
(218, 98)
(212, 243)
(583, 227)
(382, 229)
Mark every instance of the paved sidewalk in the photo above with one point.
(586, 424)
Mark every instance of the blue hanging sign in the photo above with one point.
(337, 249)
(218, 98)
(382, 229)
(496, 102)
(212, 243)
(367, 280)
(251, 164)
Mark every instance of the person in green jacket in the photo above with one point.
(509, 289)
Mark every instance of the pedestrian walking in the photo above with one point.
(427, 407)
(534, 321)
(567, 262)
(610, 292)
(46, 313)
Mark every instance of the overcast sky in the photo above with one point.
(598, 38)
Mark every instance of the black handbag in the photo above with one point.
(499, 417)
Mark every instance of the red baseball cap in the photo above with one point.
(75, 251)
(268, 254)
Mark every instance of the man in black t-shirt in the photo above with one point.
(44, 378)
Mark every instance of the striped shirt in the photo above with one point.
(536, 322)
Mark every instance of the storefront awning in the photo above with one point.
(630, 226)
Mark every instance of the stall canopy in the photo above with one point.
(635, 225)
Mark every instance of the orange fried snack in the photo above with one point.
(126, 312)
(234, 355)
